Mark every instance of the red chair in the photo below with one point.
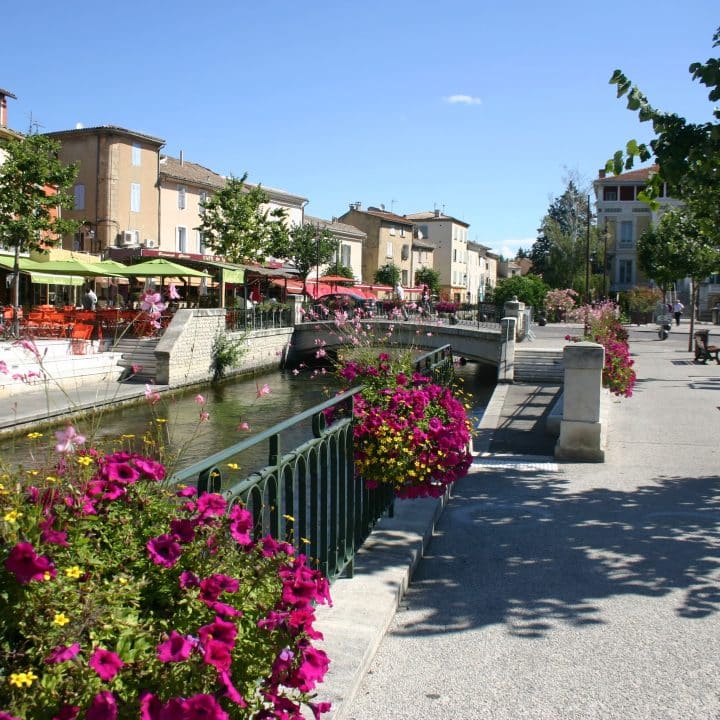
(80, 338)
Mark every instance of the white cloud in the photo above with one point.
(508, 248)
(463, 100)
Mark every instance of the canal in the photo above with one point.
(235, 411)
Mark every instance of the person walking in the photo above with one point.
(400, 297)
(678, 308)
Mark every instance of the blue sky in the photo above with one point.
(482, 112)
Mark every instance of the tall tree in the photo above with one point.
(34, 188)
(388, 274)
(307, 245)
(429, 277)
(677, 248)
(687, 154)
(236, 223)
(560, 254)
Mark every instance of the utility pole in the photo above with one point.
(587, 255)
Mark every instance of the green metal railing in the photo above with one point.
(310, 495)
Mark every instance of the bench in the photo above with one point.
(703, 350)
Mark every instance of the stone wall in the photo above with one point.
(184, 353)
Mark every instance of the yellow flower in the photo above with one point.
(127, 436)
(25, 678)
(32, 473)
(34, 435)
(233, 466)
(4, 490)
(160, 421)
(61, 619)
(12, 516)
(47, 576)
(74, 572)
(84, 460)
(122, 580)
(289, 517)
(305, 540)
(50, 478)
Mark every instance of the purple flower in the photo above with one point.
(67, 712)
(23, 562)
(62, 653)
(177, 648)
(211, 505)
(105, 663)
(103, 707)
(68, 439)
(220, 631)
(164, 550)
(203, 707)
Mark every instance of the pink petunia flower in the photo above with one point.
(203, 707)
(23, 562)
(164, 550)
(105, 663)
(66, 712)
(68, 439)
(177, 648)
(62, 653)
(103, 707)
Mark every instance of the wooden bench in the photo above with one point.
(703, 350)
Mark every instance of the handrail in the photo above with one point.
(310, 496)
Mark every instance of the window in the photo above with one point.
(134, 197)
(201, 243)
(626, 232)
(454, 254)
(610, 192)
(388, 249)
(404, 277)
(392, 230)
(203, 198)
(182, 239)
(402, 232)
(181, 197)
(625, 272)
(136, 154)
(627, 192)
(345, 255)
(79, 192)
(423, 231)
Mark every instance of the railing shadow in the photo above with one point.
(519, 550)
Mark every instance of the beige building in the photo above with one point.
(482, 272)
(623, 218)
(389, 240)
(116, 191)
(449, 237)
(350, 242)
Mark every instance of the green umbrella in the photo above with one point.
(71, 267)
(162, 268)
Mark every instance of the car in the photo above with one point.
(349, 302)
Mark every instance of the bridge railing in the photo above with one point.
(258, 318)
(310, 495)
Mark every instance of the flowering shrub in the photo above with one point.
(445, 306)
(123, 597)
(409, 432)
(560, 302)
(603, 327)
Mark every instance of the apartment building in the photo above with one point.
(389, 239)
(116, 193)
(350, 243)
(449, 238)
(482, 272)
(623, 218)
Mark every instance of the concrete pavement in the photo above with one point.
(552, 590)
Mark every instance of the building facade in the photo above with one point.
(350, 243)
(449, 237)
(622, 220)
(388, 241)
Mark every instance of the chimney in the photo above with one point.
(437, 212)
(355, 206)
(182, 158)
(4, 95)
(601, 173)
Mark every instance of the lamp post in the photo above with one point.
(587, 255)
(605, 267)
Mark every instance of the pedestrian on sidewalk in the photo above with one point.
(678, 308)
(400, 297)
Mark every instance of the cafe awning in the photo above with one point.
(41, 278)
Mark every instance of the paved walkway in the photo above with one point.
(560, 591)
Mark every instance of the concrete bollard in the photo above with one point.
(581, 433)
(506, 361)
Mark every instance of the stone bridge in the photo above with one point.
(481, 343)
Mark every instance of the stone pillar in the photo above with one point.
(506, 361)
(515, 309)
(295, 304)
(581, 437)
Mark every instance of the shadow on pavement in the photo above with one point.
(517, 549)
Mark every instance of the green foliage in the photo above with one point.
(388, 274)
(529, 289)
(28, 220)
(306, 245)
(642, 299)
(338, 268)
(429, 277)
(235, 224)
(687, 154)
(226, 354)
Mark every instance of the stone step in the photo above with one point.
(138, 353)
(538, 365)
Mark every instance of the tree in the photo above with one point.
(337, 268)
(687, 154)
(388, 275)
(306, 245)
(529, 289)
(429, 277)
(235, 224)
(34, 187)
(560, 254)
(677, 248)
